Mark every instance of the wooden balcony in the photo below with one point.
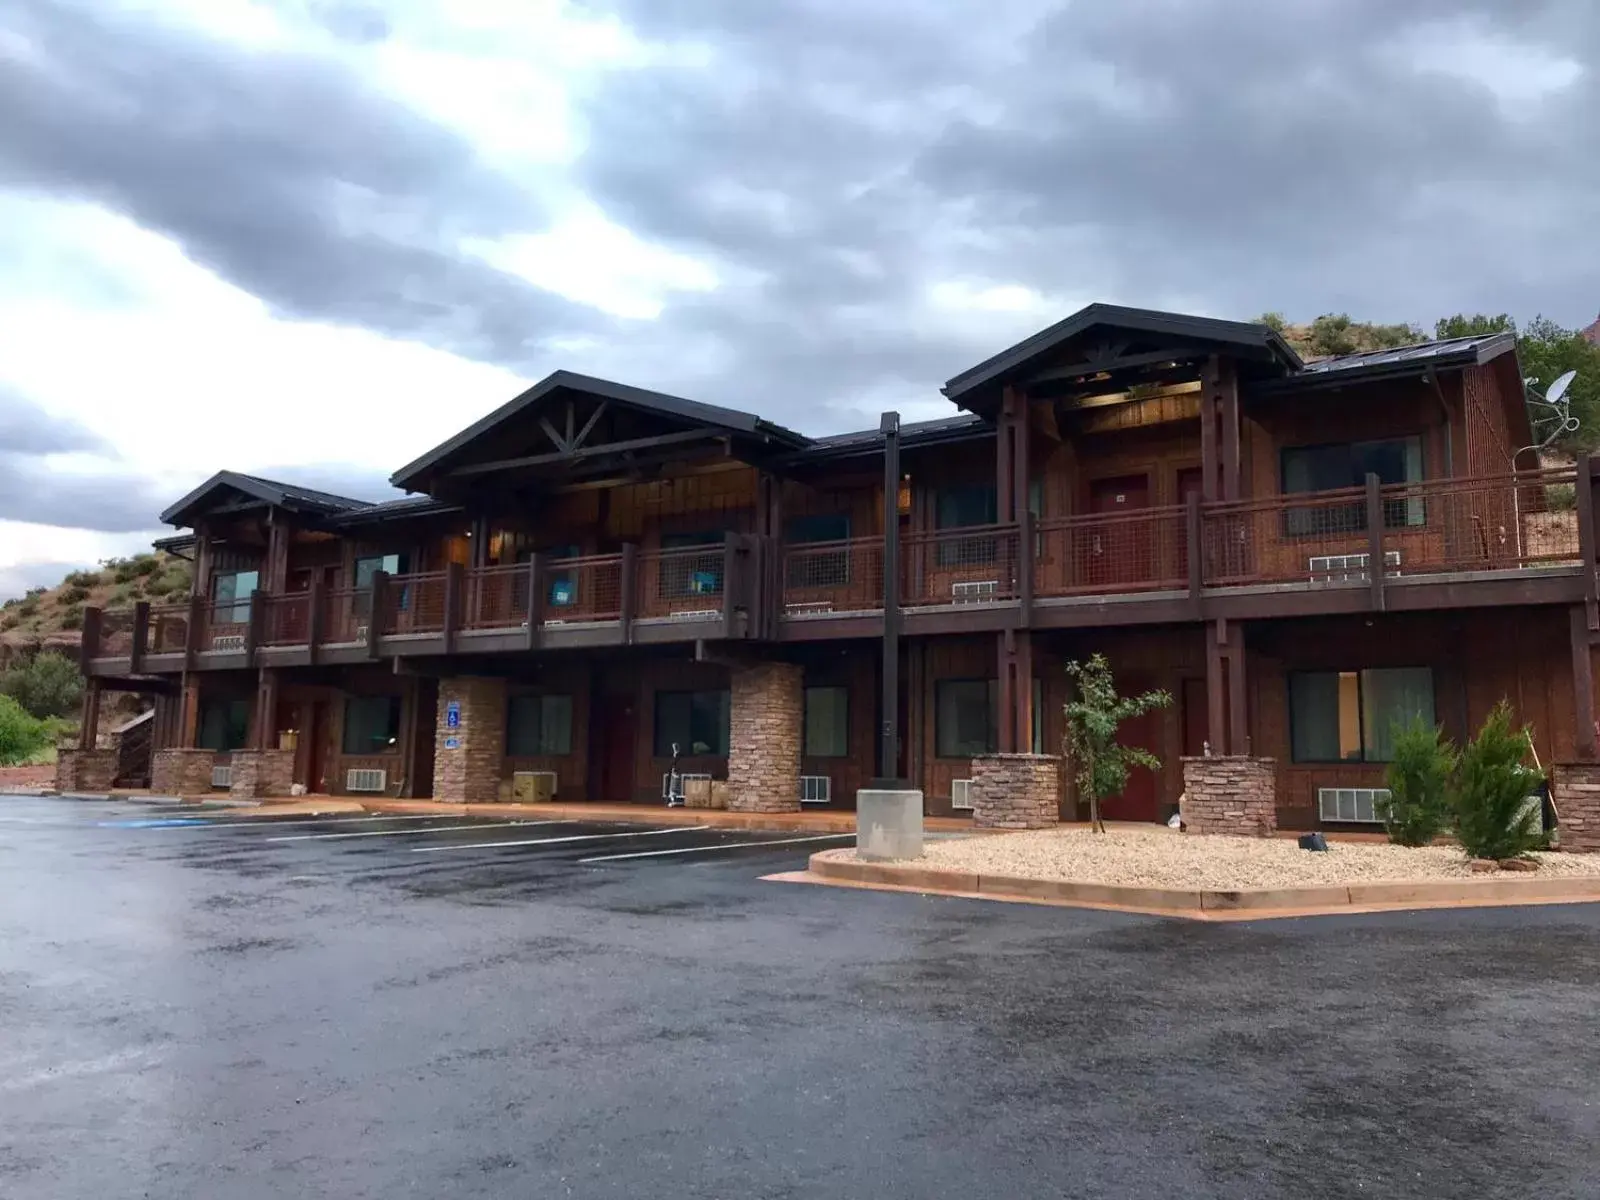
(1441, 543)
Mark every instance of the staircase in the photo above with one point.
(134, 740)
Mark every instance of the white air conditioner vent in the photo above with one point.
(685, 776)
(815, 789)
(808, 608)
(361, 633)
(366, 779)
(1348, 568)
(228, 641)
(970, 591)
(961, 795)
(1364, 805)
(698, 614)
(222, 776)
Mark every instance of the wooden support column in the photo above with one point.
(305, 722)
(537, 587)
(628, 582)
(1228, 412)
(1005, 463)
(889, 700)
(478, 536)
(1022, 660)
(1588, 741)
(141, 637)
(89, 714)
(1375, 572)
(1586, 541)
(275, 577)
(199, 611)
(189, 713)
(1210, 387)
(266, 710)
(314, 608)
(454, 580)
(252, 626)
(1194, 542)
(377, 611)
(203, 559)
(1238, 693)
(1005, 719)
(1216, 727)
(89, 638)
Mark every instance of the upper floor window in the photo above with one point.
(232, 591)
(691, 574)
(1347, 465)
(1352, 716)
(538, 726)
(367, 566)
(961, 506)
(224, 725)
(824, 568)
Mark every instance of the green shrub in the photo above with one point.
(146, 564)
(1493, 817)
(72, 618)
(123, 593)
(9, 622)
(1418, 778)
(47, 685)
(28, 605)
(21, 735)
(82, 579)
(72, 594)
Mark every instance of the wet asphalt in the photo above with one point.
(230, 1009)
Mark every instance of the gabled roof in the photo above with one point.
(1002, 367)
(1417, 359)
(254, 489)
(658, 403)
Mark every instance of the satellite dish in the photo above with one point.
(1559, 388)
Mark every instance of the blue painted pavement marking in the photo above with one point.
(152, 823)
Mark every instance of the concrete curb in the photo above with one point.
(1209, 904)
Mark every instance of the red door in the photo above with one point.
(1120, 551)
(612, 733)
(1138, 799)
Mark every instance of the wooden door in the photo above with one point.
(1196, 717)
(1120, 552)
(613, 731)
(1138, 799)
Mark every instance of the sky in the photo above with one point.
(310, 239)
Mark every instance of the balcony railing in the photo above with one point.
(1459, 527)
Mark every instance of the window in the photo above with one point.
(563, 582)
(366, 567)
(696, 721)
(824, 569)
(957, 507)
(371, 724)
(1346, 465)
(965, 717)
(691, 574)
(827, 722)
(537, 726)
(1351, 716)
(224, 725)
(233, 595)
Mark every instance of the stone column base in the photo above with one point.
(888, 824)
(767, 710)
(1575, 788)
(181, 772)
(469, 755)
(261, 773)
(85, 770)
(1015, 791)
(1233, 794)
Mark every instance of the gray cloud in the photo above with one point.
(17, 580)
(26, 429)
(341, 479)
(279, 171)
(115, 499)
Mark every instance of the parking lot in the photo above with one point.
(200, 1004)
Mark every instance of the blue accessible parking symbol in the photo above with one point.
(452, 715)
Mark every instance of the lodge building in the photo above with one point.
(1300, 553)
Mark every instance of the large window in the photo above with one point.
(691, 574)
(696, 721)
(965, 717)
(1347, 465)
(371, 724)
(233, 595)
(538, 726)
(958, 507)
(1352, 716)
(224, 725)
(827, 722)
(369, 565)
(827, 568)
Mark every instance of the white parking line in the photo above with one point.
(582, 837)
(825, 837)
(202, 822)
(324, 837)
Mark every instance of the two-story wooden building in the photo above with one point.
(1300, 553)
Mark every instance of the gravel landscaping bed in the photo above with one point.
(1159, 857)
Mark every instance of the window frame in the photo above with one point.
(542, 745)
(363, 591)
(843, 750)
(394, 723)
(1361, 674)
(976, 551)
(1351, 519)
(235, 720)
(697, 701)
(238, 607)
(940, 744)
(817, 570)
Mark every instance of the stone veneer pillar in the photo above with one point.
(1575, 788)
(85, 770)
(258, 774)
(1015, 791)
(767, 711)
(468, 759)
(1234, 794)
(181, 772)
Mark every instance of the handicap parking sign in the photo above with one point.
(452, 715)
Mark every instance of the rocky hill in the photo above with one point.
(52, 617)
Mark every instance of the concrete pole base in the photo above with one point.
(888, 824)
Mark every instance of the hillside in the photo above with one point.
(53, 616)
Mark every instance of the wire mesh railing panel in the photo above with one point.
(843, 576)
(681, 582)
(970, 565)
(1142, 550)
(286, 619)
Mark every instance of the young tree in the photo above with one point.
(47, 685)
(1100, 764)
(1419, 780)
(1493, 817)
(21, 736)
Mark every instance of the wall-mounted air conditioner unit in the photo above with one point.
(972, 591)
(1364, 805)
(228, 641)
(815, 789)
(366, 779)
(808, 608)
(961, 795)
(533, 787)
(1348, 568)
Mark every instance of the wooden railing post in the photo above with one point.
(732, 581)
(453, 579)
(89, 717)
(313, 620)
(536, 590)
(628, 589)
(1194, 539)
(89, 639)
(1375, 539)
(141, 636)
(1583, 489)
(376, 611)
(252, 627)
(192, 634)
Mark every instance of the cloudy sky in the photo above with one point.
(312, 238)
